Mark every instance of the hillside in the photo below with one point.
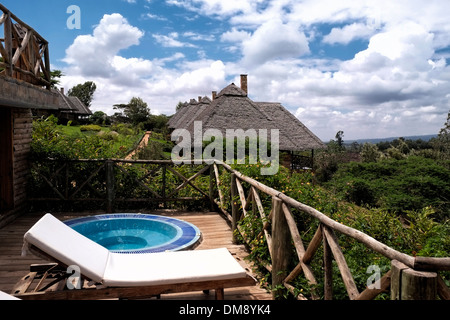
(390, 139)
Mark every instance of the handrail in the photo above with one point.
(281, 237)
(419, 263)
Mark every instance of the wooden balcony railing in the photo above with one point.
(24, 53)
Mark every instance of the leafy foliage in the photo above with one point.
(85, 92)
(51, 140)
(396, 185)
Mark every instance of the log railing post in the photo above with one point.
(281, 247)
(211, 187)
(234, 206)
(410, 284)
(8, 45)
(328, 268)
(163, 188)
(110, 186)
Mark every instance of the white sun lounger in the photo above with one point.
(4, 296)
(130, 275)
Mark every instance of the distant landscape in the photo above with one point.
(426, 137)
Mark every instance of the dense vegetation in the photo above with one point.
(51, 140)
(396, 185)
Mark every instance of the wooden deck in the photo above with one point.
(216, 233)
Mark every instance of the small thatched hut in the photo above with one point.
(231, 108)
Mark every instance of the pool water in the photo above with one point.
(137, 233)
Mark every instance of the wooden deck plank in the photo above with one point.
(215, 232)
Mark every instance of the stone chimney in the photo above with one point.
(244, 85)
(214, 95)
(62, 90)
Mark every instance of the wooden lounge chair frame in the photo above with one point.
(52, 278)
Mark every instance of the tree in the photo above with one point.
(370, 153)
(84, 92)
(55, 75)
(442, 142)
(136, 111)
(100, 118)
(179, 106)
(445, 131)
(339, 139)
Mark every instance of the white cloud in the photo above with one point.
(215, 7)
(152, 16)
(199, 37)
(235, 36)
(274, 40)
(348, 33)
(97, 58)
(171, 41)
(92, 55)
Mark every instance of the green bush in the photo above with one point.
(91, 127)
(52, 141)
(395, 185)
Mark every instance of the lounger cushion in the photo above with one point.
(69, 247)
(5, 296)
(171, 267)
(66, 245)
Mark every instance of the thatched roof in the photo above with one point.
(232, 109)
(188, 112)
(72, 105)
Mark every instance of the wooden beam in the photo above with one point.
(371, 293)
(23, 45)
(188, 181)
(241, 196)
(217, 175)
(298, 244)
(315, 243)
(443, 290)
(281, 247)
(8, 45)
(328, 269)
(342, 264)
(234, 206)
(409, 284)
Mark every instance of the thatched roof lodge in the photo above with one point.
(231, 108)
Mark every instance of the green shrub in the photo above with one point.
(396, 185)
(91, 127)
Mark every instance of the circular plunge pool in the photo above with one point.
(137, 233)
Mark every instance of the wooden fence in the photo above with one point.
(25, 55)
(419, 274)
(108, 184)
(162, 182)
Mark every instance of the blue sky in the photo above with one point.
(371, 68)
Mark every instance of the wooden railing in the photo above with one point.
(220, 187)
(24, 53)
(109, 184)
(281, 232)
